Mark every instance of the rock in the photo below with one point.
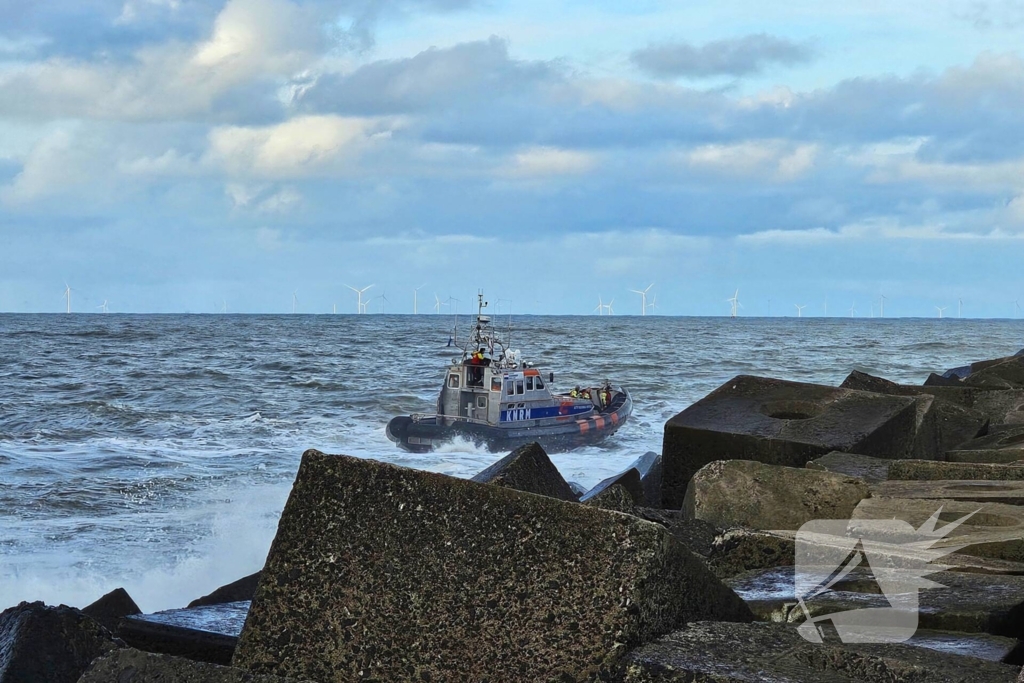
(940, 422)
(965, 371)
(1008, 374)
(863, 467)
(528, 468)
(381, 572)
(1008, 492)
(781, 423)
(1002, 444)
(736, 551)
(628, 480)
(614, 498)
(966, 602)
(129, 665)
(772, 497)
(995, 531)
(205, 634)
(936, 380)
(697, 535)
(929, 470)
(714, 652)
(649, 467)
(109, 609)
(236, 591)
(578, 489)
(52, 644)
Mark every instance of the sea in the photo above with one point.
(155, 452)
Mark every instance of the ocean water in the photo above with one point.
(156, 452)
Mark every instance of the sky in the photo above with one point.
(257, 156)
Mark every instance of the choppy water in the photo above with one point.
(156, 452)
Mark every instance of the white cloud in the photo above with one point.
(301, 146)
(877, 229)
(550, 161)
(779, 160)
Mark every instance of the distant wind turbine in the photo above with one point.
(383, 299)
(654, 303)
(295, 301)
(67, 294)
(360, 306)
(734, 303)
(608, 306)
(103, 306)
(224, 306)
(643, 298)
(415, 295)
(881, 305)
(853, 309)
(437, 303)
(1016, 305)
(940, 310)
(959, 307)
(800, 310)
(600, 305)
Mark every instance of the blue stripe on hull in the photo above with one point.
(519, 414)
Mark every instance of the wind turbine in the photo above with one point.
(940, 310)
(853, 309)
(800, 310)
(654, 303)
(643, 298)
(223, 306)
(295, 301)
(437, 304)
(959, 306)
(609, 307)
(360, 306)
(1016, 305)
(103, 306)
(881, 305)
(600, 305)
(415, 295)
(67, 294)
(734, 303)
(383, 299)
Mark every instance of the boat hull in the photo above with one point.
(423, 435)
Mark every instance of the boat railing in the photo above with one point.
(419, 417)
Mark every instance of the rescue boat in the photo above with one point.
(493, 397)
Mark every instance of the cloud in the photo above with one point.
(301, 146)
(550, 161)
(874, 229)
(734, 57)
(773, 159)
(435, 79)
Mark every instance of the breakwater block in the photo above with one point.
(772, 497)
(781, 423)
(735, 653)
(204, 634)
(994, 530)
(942, 421)
(928, 470)
(628, 480)
(109, 609)
(386, 573)
(1003, 444)
(129, 665)
(1007, 374)
(861, 466)
(962, 602)
(52, 644)
(1008, 491)
(529, 469)
(236, 591)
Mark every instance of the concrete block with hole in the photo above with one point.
(782, 423)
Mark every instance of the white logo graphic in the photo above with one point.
(899, 557)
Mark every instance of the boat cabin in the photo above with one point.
(487, 393)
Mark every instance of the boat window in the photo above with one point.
(519, 386)
(453, 381)
(529, 383)
(510, 388)
(481, 401)
(538, 383)
(495, 384)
